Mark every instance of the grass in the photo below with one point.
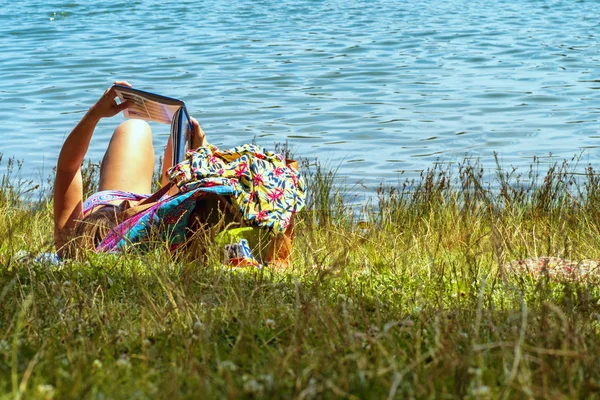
(409, 297)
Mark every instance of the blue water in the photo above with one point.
(378, 88)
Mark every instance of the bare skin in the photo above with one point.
(128, 163)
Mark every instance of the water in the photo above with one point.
(378, 88)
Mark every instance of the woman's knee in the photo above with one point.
(131, 140)
(128, 163)
(136, 128)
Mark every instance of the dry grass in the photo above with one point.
(409, 298)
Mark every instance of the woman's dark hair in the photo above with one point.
(211, 215)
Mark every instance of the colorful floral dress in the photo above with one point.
(265, 188)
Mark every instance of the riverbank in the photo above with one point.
(413, 296)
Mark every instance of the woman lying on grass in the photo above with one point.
(243, 198)
(125, 175)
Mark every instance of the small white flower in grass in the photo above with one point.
(123, 362)
(251, 385)
(228, 366)
(267, 380)
(270, 323)
(197, 326)
(481, 392)
(46, 391)
(97, 364)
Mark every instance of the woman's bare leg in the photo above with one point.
(128, 164)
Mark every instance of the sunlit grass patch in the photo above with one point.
(412, 298)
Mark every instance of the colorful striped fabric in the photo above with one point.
(106, 197)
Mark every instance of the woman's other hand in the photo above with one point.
(198, 135)
(107, 106)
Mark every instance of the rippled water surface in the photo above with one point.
(376, 87)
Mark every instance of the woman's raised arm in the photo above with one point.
(68, 187)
